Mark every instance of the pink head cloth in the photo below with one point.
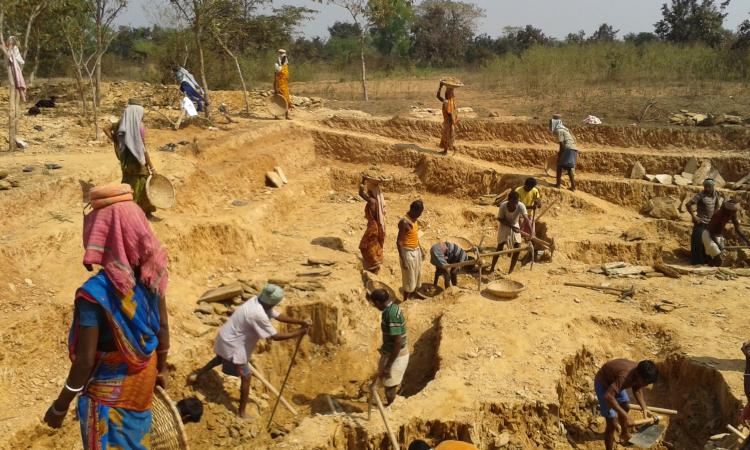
(119, 239)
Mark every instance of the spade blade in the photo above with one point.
(648, 435)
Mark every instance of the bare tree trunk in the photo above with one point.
(32, 77)
(365, 94)
(98, 81)
(12, 118)
(95, 108)
(81, 91)
(239, 70)
(202, 68)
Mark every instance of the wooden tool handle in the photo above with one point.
(669, 412)
(736, 432)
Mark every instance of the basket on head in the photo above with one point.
(160, 191)
(277, 105)
(505, 289)
(452, 82)
(372, 285)
(375, 174)
(167, 432)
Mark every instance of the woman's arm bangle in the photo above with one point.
(162, 352)
(74, 390)
(55, 411)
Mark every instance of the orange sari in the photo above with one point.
(372, 241)
(450, 119)
(282, 84)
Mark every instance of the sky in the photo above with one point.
(556, 18)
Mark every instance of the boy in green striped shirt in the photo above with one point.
(394, 353)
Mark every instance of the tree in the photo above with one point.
(520, 39)
(391, 22)
(605, 33)
(198, 14)
(444, 30)
(742, 40)
(361, 15)
(576, 38)
(641, 38)
(687, 21)
(344, 30)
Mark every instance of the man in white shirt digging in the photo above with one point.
(237, 338)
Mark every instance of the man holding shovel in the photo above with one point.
(509, 231)
(237, 338)
(611, 383)
(394, 354)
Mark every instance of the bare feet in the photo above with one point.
(244, 416)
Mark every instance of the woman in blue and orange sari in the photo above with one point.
(119, 337)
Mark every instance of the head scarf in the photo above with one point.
(374, 187)
(709, 182)
(135, 101)
(129, 133)
(271, 295)
(118, 238)
(555, 123)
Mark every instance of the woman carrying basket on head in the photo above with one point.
(119, 336)
(128, 137)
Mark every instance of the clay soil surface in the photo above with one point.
(501, 374)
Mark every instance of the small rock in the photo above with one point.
(281, 174)
(679, 180)
(651, 178)
(170, 147)
(239, 202)
(691, 165)
(466, 109)
(664, 178)
(194, 329)
(220, 308)
(638, 171)
(38, 128)
(183, 143)
(502, 440)
(14, 183)
(28, 282)
(577, 300)
(52, 166)
(687, 176)
(205, 308)
(3, 174)
(494, 115)
(28, 169)
(707, 170)
(274, 180)
(662, 208)
(5, 185)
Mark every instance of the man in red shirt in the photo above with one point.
(713, 239)
(610, 385)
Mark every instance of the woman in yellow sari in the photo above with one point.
(450, 116)
(281, 80)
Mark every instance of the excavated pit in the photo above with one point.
(339, 356)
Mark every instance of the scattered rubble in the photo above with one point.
(691, 119)
(693, 174)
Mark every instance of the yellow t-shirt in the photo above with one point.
(455, 445)
(528, 197)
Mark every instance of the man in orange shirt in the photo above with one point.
(409, 251)
(445, 445)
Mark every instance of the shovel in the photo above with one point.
(648, 434)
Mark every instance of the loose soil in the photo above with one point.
(515, 374)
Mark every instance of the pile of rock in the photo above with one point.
(5, 182)
(216, 305)
(692, 174)
(690, 119)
